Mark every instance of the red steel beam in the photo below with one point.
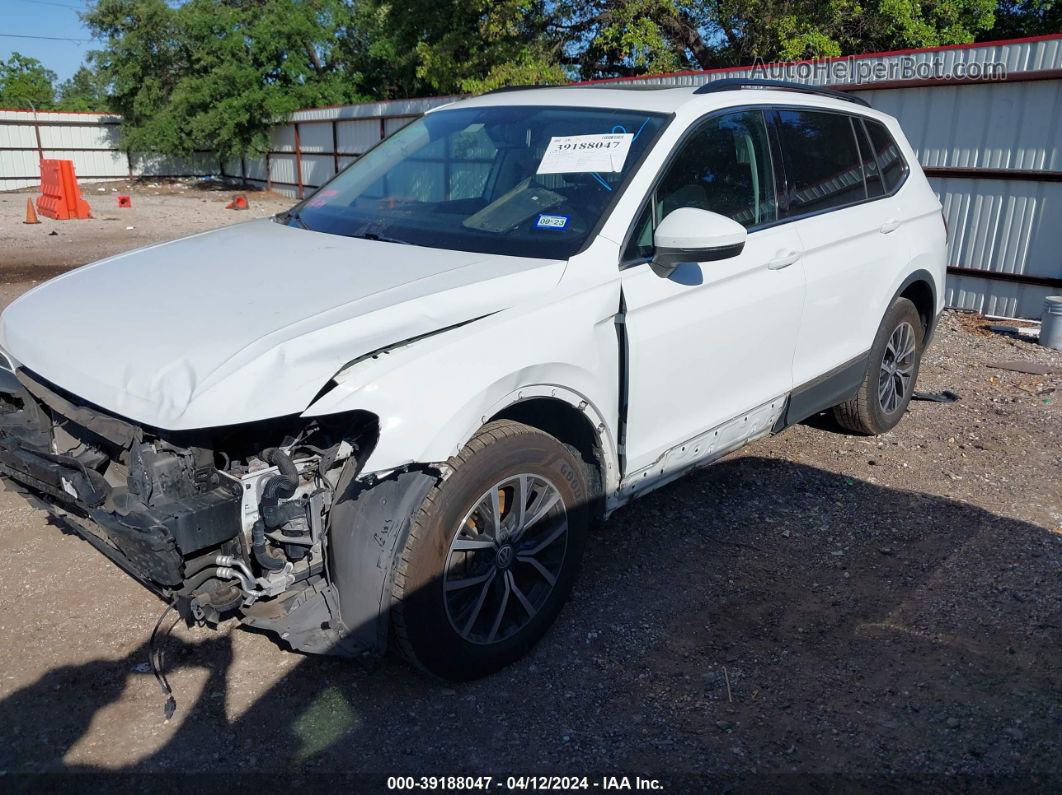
(298, 161)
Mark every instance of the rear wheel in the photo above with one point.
(492, 553)
(892, 370)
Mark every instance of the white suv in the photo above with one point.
(396, 410)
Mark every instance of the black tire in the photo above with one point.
(865, 413)
(428, 618)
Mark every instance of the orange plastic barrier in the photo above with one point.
(60, 197)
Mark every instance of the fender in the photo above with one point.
(369, 524)
(431, 395)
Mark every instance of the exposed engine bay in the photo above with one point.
(223, 522)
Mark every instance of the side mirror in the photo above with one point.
(691, 235)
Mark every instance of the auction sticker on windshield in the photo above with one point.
(572, 154)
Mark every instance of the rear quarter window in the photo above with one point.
(887, 153)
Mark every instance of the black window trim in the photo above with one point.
(855, 140)
(865, 200)
(778, 165)
(862, 142)
(862, 160)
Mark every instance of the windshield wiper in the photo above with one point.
(383, 238)
(291, 215)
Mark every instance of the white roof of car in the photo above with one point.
(659, 99)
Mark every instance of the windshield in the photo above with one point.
(521, 180)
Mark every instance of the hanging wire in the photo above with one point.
(155, 658)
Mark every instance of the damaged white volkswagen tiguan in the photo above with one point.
(392, 414)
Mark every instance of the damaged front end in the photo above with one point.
(221, 522)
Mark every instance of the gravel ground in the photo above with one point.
(816, 611)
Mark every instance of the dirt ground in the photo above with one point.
(818, 611)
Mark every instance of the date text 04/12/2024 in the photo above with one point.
(523, 783)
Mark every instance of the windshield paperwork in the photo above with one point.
(521, 180)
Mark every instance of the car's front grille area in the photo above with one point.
(146, 502)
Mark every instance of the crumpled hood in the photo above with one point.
(247, 322)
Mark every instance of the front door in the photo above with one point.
(715, 340)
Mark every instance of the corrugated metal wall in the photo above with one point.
(327, 140)
(91, 140)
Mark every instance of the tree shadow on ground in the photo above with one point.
(757, 618)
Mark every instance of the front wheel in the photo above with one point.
(892, 370)
(492, 553)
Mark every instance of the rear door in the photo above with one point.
(715, 339)
(847, 228)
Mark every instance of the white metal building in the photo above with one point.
(91, 140)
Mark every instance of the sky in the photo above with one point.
(56, 18)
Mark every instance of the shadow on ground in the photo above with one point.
(756, 618)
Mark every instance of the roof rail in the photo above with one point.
(505, 89)
(737, 83)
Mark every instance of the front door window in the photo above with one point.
(724, 167)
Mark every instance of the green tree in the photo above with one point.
(25, 83)
(215, 74)
(458, 46)
(85, 91)
(617, 37)
(1025, 18)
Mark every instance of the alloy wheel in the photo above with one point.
(896, 377)
(505, 558)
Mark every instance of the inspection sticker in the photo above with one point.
(551, 222)
(572, 154)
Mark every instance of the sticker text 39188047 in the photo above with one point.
(570, 154)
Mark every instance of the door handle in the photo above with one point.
(783, 260)
(890, 225)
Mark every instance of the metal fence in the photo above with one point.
(985, 120)
(91, 140)
(313, 145)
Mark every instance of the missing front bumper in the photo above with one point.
(150, 544)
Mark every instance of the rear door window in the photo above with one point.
(822, 160)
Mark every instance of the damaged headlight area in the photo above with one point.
(221, 521)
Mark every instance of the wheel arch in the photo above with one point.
(919, 289)
(572, 425)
